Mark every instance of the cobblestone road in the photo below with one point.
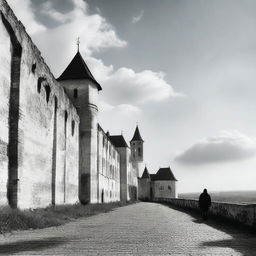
(139, 229)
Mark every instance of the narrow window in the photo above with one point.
(66, 116)
(73, 127)
(48, 92)
(38, 87)
(66, 119)
(39, 83)
(55, 103)
(75, 93)
(33, 68)
(139, 151)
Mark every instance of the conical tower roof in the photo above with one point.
(145, 174)
(137, 136)
(77, 69)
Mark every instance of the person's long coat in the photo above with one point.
(204, 201)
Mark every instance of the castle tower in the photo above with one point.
(145, 191)
(136, 145)
(82, 89)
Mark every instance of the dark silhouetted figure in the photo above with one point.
(204, 204)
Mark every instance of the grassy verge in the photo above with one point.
(11, 219)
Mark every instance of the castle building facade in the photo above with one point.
(52, 148)
(159, 185)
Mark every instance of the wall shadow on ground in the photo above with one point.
(31, 245)
(243, 238)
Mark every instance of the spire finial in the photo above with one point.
(78, 43)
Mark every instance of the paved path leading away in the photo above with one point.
(139, 229)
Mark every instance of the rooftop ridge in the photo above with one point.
(118, 141)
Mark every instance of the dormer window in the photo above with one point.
(75, 93)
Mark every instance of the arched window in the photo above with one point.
(33, 68)
(48, 92)
(39, 83)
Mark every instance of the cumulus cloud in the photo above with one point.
(138, 87)
(130, 86)
(25, 13)
(58, 47)
(136, 19)
(121, 108)
(117, 118)
(94, 31)
(226, 146)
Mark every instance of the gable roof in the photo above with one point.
(137, 136)
(163, 174)
(77, 69)
(152, 176)
(145, 174)
(118, 141)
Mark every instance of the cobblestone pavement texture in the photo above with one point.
(138, 229)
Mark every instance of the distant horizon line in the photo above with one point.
(219, 191)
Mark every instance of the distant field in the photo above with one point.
(243, 197)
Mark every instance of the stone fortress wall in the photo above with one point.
(39, 125)
(39, 139)
(241, 213)
(52, 149)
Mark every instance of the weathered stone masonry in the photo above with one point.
(52, 149)
(16, 51)
(39, 125)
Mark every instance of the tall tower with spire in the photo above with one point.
(136, 145)
(82, 89)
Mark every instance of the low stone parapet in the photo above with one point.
(242, 213)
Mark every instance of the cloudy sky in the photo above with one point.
(184, 70)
